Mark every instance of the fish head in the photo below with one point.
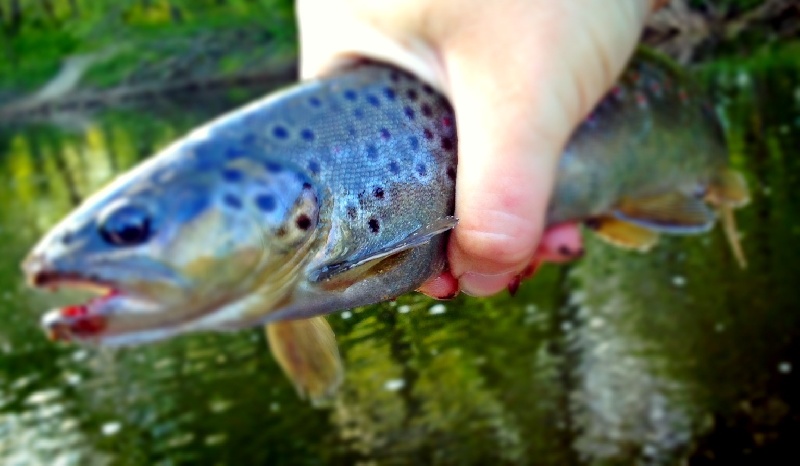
(175, 243)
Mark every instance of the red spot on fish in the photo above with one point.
(641, 100)
(655, 87)
(447, 121)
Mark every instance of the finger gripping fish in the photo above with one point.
(339, 192)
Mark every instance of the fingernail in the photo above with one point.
(449, 297)
(531, 269)
(475, 284)
(568, 252)
(513, 285)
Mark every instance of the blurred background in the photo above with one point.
(673, 357)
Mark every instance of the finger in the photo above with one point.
(445, 286)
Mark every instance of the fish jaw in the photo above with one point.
(121, 306)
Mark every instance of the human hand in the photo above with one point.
(521, 75)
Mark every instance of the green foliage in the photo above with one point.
(42, 33)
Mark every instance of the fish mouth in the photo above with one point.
(76, 321)
(85, 322)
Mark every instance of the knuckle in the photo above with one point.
(504, 246)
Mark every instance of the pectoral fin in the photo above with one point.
(348, 269)
(306, 351)
(672, 212)
(623, 234)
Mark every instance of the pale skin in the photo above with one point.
(521, 75)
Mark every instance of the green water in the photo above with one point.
(674, 357)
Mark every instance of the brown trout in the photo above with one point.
(337, 193)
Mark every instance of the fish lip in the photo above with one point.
(53, 279)
(82, 322)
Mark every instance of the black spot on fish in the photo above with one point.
(451, 173)
(394, 76)
(447, 144)
(266, 202)
(394, 168)
(350, 95)
(378, 192)
(352, 212)
(303, 222)
(427, 88)
(358, 113)
(273, 167)
(306, 186)
(232, 201)
(411, 94)
(385, 134)
(281, 232)
(389, 93)
(409, 112)
(422, 169)
(313, 167)
(232, 176)
(413, 142)
(351, 131)
(307, 135)
(426, 110)
(427, 133)
(315, 102)
(372, 100)
(374, 226)
(66, 238)
(372, 151)
(280, 132)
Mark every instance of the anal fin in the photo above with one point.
(306, 351)
(672, 212)
(623, 234)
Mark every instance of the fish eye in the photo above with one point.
(125, 225)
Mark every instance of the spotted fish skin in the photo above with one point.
(652, 133)
(337, 193)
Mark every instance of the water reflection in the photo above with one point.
(622, 359)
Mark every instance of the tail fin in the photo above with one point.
(728, 191)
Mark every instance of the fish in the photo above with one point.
(339, 192)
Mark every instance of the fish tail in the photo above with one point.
(729, 191)
(733, 235)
